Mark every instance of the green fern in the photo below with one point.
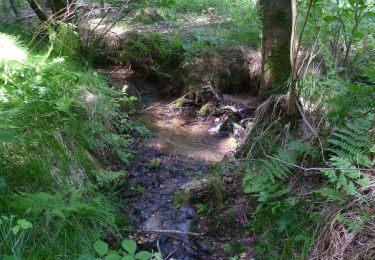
(105, 178)
(352, 142)
(267, 182)
(350, 149)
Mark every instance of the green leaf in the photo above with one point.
(24, 224)
(130, 246)
(112, 256)
(363, 182)
(358, 35)
(101, 247)
(143, 255)
(330, 18)
(15, 229)
(128, 257)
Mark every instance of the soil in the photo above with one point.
(182, 148)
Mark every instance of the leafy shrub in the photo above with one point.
(14, 234)
(128, 251)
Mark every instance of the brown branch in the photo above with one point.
(178, 232)
(42, 15)
(294, 52)
(159, 231)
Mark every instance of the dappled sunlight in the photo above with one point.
(9, 50)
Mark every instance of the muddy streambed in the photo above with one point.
(179, 150)
(173, 134)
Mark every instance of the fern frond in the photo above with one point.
(273, 171)
(105, 178)
(350, 149)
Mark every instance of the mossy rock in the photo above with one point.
(207, 109)
(185, 100)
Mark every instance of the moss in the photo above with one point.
(216, 190)
(179, 103)
(276, 47)
(279, 65)
(279, 18)
(181, 198)
(206, 109)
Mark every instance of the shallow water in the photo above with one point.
(174, 135)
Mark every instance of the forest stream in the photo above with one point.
(179, 152)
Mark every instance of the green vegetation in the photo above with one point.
(128, 251)
(301, 184)
(59, 123)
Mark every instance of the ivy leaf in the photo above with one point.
(130, 246)
(101, 247)
(143, 255)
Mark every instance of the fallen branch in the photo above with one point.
(169, 232)
(166, 232)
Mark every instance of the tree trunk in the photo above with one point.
(63, 9)
(42, 14)
(14, 6)
(277, 29)
(294, 46)
(294, 49)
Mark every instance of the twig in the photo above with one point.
(159, 231)
(311, 128)
(182, 240)
(169, 255)
(158, 246)
(319, 168)
(180, 233)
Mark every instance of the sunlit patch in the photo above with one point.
(9, 49)
(89, 97)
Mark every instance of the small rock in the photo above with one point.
(228, 180)
(195, 187)
(204, 245)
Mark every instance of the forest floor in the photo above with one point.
(181, 152)
(185, 148)
(175, 184)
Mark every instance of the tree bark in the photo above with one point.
(294, 49)
(42, 14)
(62, 9)
(277, 29)
(14, 6)
(293, 61)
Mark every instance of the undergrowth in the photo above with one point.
(301, 188)
(60, 123)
